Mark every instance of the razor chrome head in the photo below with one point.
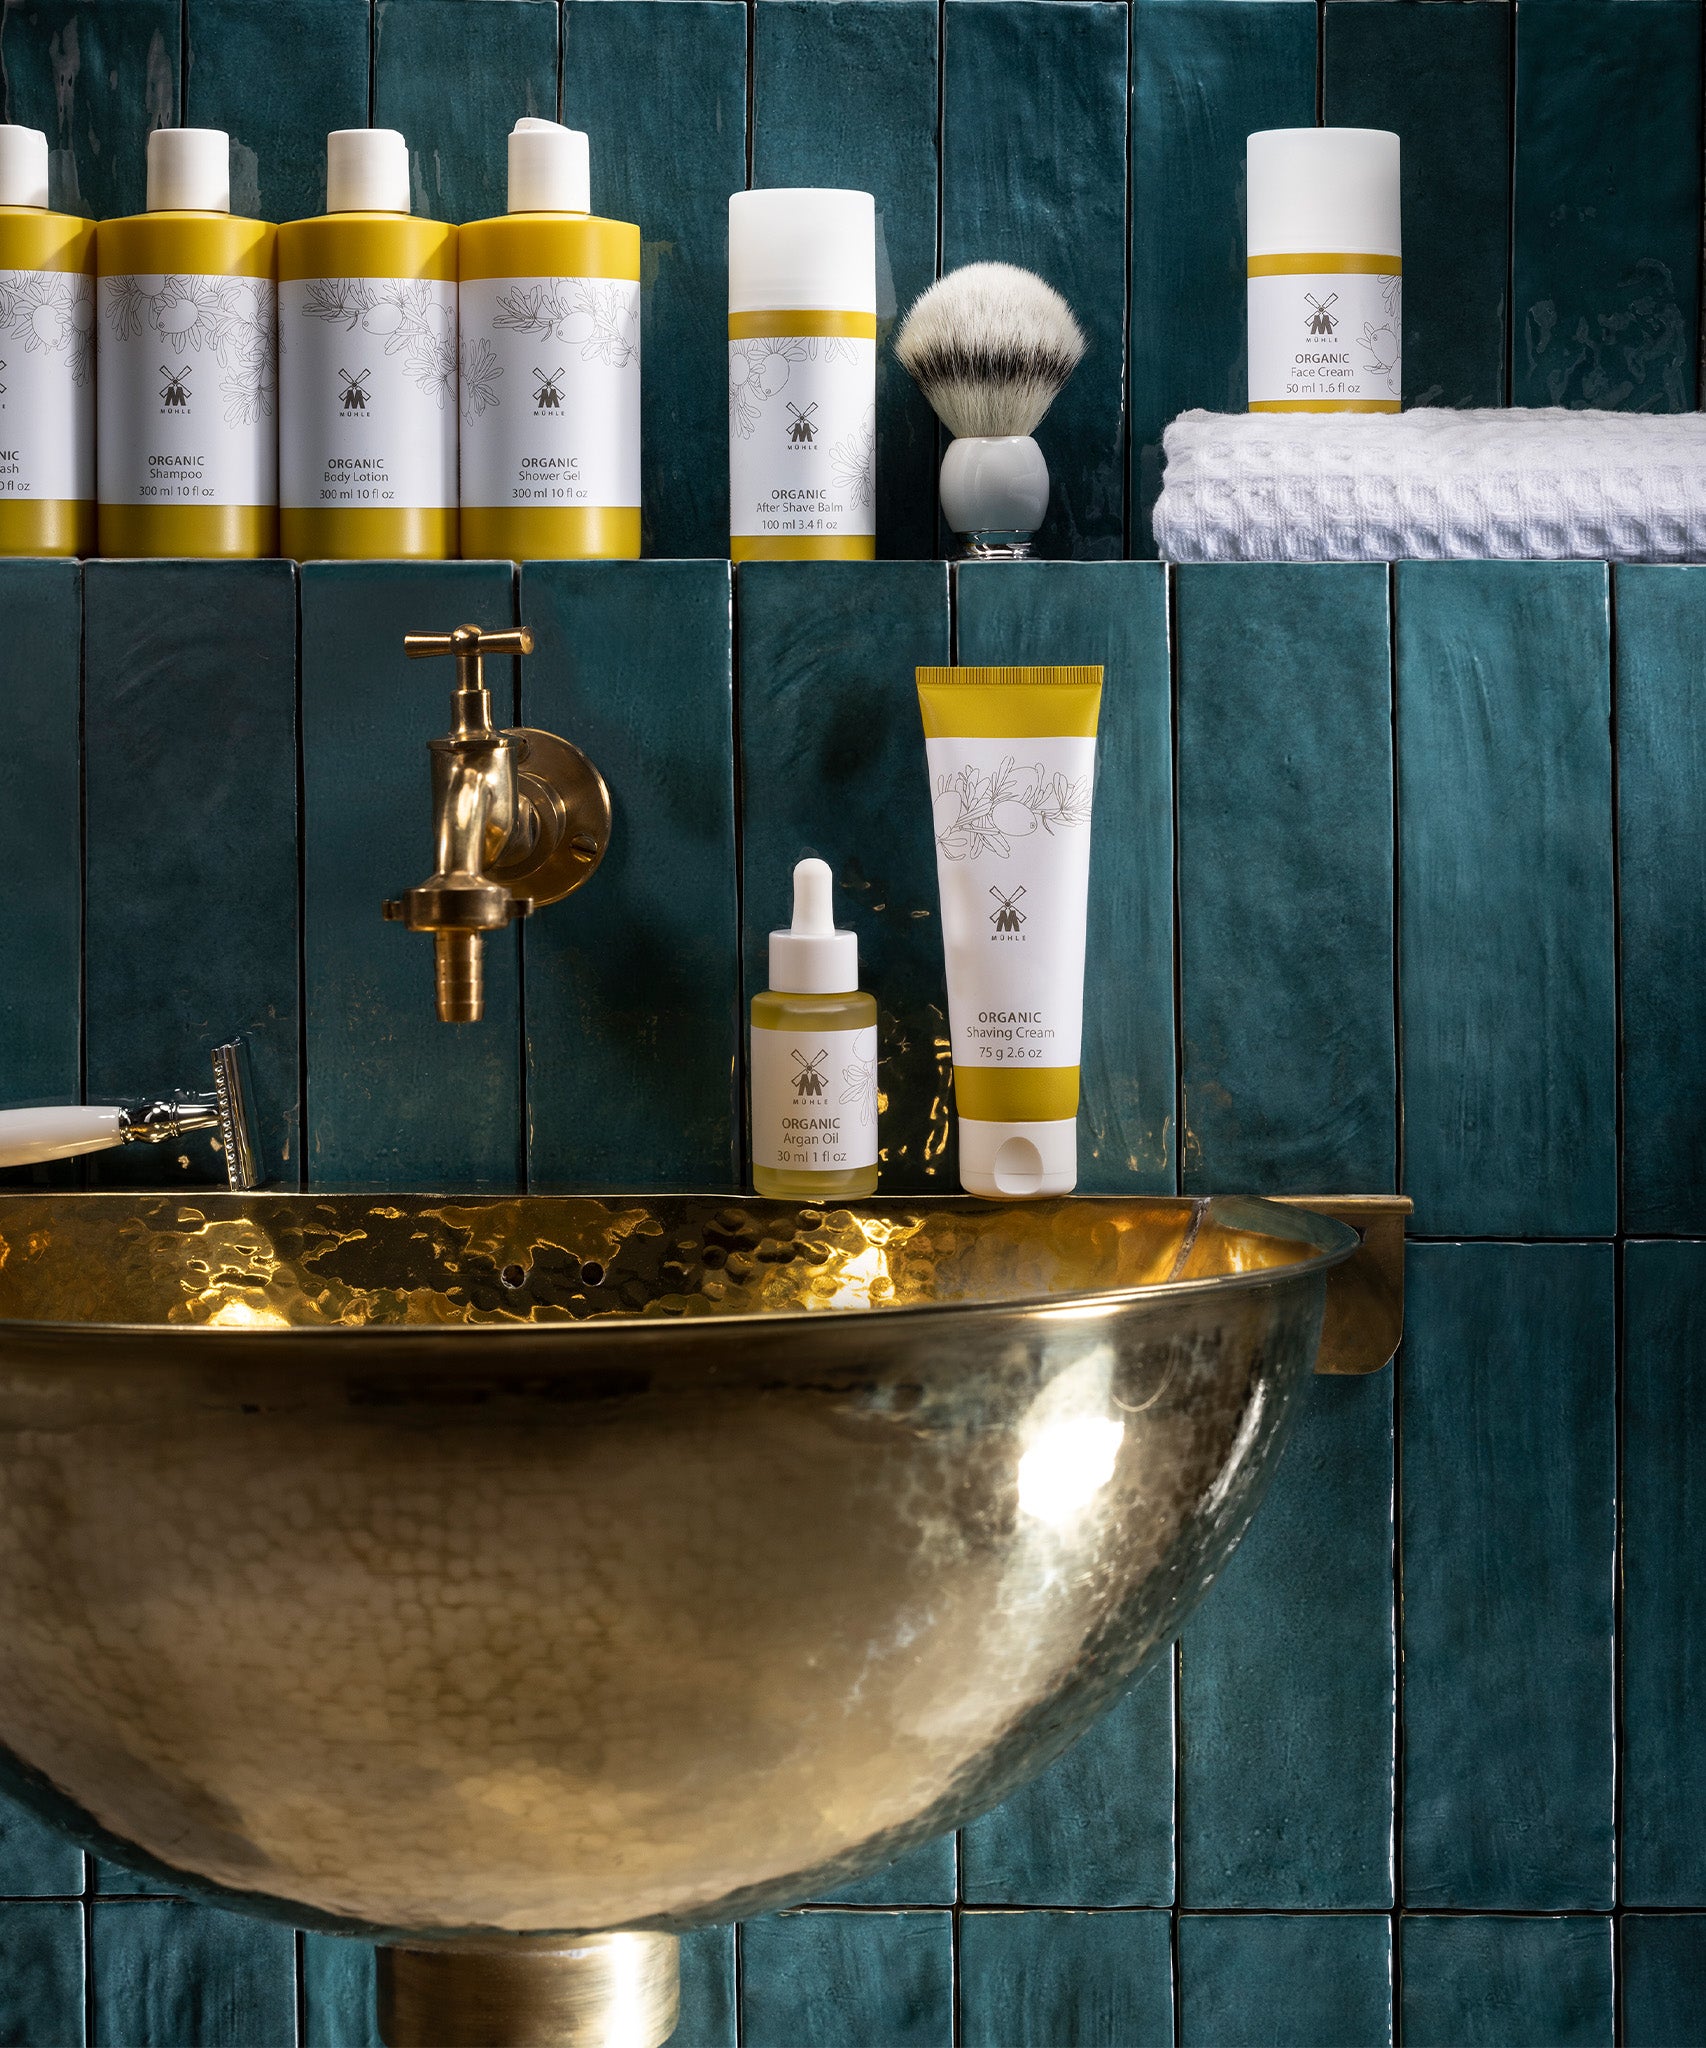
(227, 1111)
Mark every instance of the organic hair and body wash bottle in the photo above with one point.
(814, 1058)
(367, 365)
(186, 440)
(47, 361)
(802, 376)
(550, 321)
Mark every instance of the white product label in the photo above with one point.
(47, 384)
(367, 376)
(550, 391)
(814, 1099)
(186, 375)
(1327, 338)
(802, 436)
(1012, 824)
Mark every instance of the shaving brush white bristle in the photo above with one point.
(990, 346)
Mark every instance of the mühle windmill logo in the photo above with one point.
(548, 392)
(354, 397)
(1320, 323)
(175, 390)
(1007, 917)
(802, 433)
(810, 1081)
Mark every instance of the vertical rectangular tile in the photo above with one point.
(1204, 75)
(1285, 878)
(41, 1973)
(708, 2014)
(1441, 83)
(1114, 613)
(96, 76)
(35, 1861)
(166, 1972)
(1506, 923)
(1606, 215)
(832, 763)
(849, 1980)
(238, 53)
(1484, 1982)
(339, 1990)
(1034, 173)
(395, 1099)
(190, 908)
(455, 76)
(1664, 1573)
(844, 93)
(1508, 1470)
(1661, 783)
(1663, 1978)
(1096, 1829)
(1285, 1980)
(633, 983)
(677, 71)
(1038, 1980)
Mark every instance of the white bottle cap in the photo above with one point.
(813, 958)
(548, 168)
(1334, 189)
(23, 166)
(189, 170)
(802, 246)
(1011, 1161)
(367, 171)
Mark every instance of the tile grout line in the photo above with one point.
(1125, 295)
(1397, 1961)
(1619, 1363)
(1170, 585)
(298, 1957)
(524, 1134)
(301, 902)
(1509, 365)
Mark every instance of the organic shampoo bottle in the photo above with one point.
(367, 364)
(47, 361)
(186, 434)
(550, 323)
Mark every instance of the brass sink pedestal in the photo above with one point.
(548, 1991)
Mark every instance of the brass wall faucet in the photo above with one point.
(520, 819)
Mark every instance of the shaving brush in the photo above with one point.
(990, 346)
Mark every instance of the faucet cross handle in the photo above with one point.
(472, 704)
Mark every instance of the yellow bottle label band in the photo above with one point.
(549, 245)
(803, 547)
(1317, 262)
(806, 320)
(1325, 405)
(47, 526)
(544, 533)
(31, 239)
(1026, 1095)
(210, 532)
(1010, 703)
(367, 245)
(420, 533)
(201, 244)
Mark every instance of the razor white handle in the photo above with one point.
(28, 1136)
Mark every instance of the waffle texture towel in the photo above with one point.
(1434, 485)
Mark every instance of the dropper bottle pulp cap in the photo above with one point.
(23, 166)
(812, 958)
(367, 171)
(549, 169)
(189, 170)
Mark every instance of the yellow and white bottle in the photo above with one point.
(802, 375)
(549, 315)
(367, 365)
(186, 440)
(47, 361)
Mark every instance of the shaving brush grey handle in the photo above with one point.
(994, 493)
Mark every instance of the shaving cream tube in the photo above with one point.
(1012, 756)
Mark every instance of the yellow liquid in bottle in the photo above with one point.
(778, 1011)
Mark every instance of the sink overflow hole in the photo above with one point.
(513, 1276)
(593, 1273)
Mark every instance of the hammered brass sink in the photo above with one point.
(460, 1570)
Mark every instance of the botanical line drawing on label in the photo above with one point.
(406, 313)
(603, 318)
(759, 371)
(231, 318)
(52, 313)
(853, 459)
(977, 814)
(859, 1082)
(480, 373)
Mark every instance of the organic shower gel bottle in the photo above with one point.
(550, 323)
(47, 361)
(186, 443)
(814, 1058)
(367, 365)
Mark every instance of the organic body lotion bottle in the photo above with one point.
(186, 440)
(549, 315)
(47, 361)
(814, 1058)
(367, 365)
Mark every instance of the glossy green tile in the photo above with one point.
(395, 1098)
(1114, 613)
(1286, 1678)
(708, 2013)
(455, 76)
(95, 76)
(1034, 173)
(1285, 878)
(1506, 921)
(844, 93)
(1664, 1573)
(1664, 1980)
(190, 911)
(1606, 216)
(1508, 1476)
(848, 1980)
(1661, 796)
(35, 1860)
(922, 1877)
(832, 763)
(41, 1975)
(677, 71)
(339, 1982)
(1204, 75)
(1039, 1980)
(1285, 1980)
(1484, 1982)
(238, 53)
(1096, 1829)
(167, 1974)
(1441, 83)
(114, 1881)
(633, 983)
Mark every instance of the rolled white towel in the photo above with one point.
(1546, 484)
